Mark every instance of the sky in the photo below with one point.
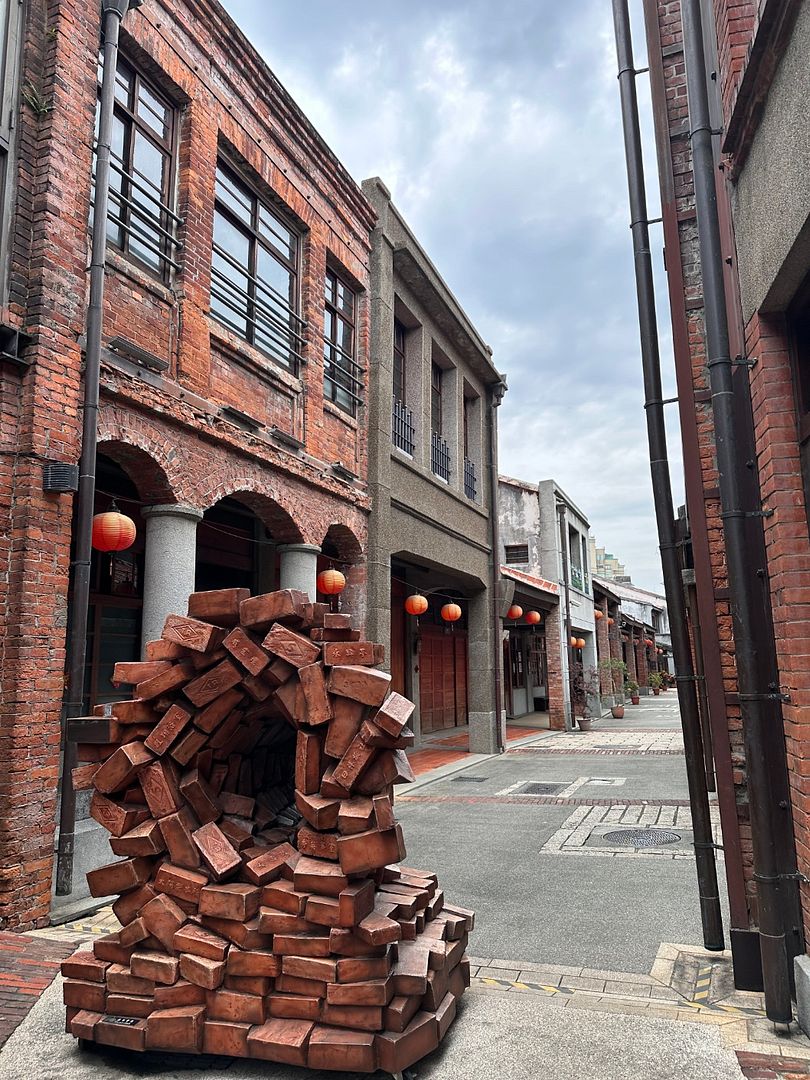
(500, 140)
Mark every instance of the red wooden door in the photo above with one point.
(442, 679)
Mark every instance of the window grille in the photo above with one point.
(440, 457)
(403, 432)
(342, 375)
(470, 480)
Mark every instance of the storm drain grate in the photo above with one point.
(642, 838)
(539, 787)
(468, 779)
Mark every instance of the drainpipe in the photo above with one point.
(711, 915)
(758, 694)
(569, 720)
(112, 13)
(498, 390)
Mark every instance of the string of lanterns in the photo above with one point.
(577, 642)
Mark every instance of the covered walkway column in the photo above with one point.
(298, 568)
(169, 564)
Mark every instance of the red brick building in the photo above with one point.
(232, 420)
(758, 82)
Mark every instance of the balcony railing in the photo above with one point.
(440, 457)
(470, 480)
(403, 433)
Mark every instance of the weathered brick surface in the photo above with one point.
(165, 430)
(28, 966)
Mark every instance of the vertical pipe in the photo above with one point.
(711, 915)
(497, 392)
(113, 12)
(569, 652)
(772, 883)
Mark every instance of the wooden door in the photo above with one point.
(442, 679)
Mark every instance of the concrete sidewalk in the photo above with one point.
(503, 1036)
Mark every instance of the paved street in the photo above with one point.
(587, 952)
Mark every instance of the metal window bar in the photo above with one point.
(440, 457)
(274, 295)
(403, 432)
(338, 372)
(470, 480)
(141, 222)
(273, 343)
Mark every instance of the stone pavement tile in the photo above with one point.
(617, 976)
(535, 976)
(500, 973)
(576, 982)
(624, 989)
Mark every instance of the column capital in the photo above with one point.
(308, 549)
(172, 510)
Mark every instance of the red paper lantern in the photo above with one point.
(598, 614)
(113, 531)
(533, 617)
(573, 641)
(611, 622)
(514, 612)
(581, 643)
(331, 582)
(451, 612)
(416, 604)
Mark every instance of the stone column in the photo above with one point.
(480, 650)
(299, 568)
(170, 559)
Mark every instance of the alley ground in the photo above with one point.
(587, 960)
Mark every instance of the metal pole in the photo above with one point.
(754, 693)
(711, 915)
(567, 596)
(497, 397)
(113, 12)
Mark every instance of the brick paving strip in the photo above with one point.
(28, 966)
(539, 800)
(766, 1067)
(604, 751)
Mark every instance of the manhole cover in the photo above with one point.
(642, 837)
(468, 779)
(536, 787)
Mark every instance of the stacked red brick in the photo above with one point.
(251, 927)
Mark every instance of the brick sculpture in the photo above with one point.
(248, 786)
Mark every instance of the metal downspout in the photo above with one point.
(113, 12)
(711, 915)
(772, 881)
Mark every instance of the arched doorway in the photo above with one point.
(235, 549)
(341, 549)
(116, 590)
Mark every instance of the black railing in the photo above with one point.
(440, 457)
(403, 433)
(470, 480)
(136, 212)
(343, 377)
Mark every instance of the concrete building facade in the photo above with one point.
(234, 416)
(432, 435)
(545, 536)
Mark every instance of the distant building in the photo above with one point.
(544, 536)
(605, 565)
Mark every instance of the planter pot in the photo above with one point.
(657, 691)
(634, 699)
(584, 723)
(617, 712)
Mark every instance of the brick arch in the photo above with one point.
(266, 503)
(348, 547)
(144, 453)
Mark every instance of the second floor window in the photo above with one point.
(436, 374)
(399, 362)
(141, 221)
(342, 375)
(254, 271)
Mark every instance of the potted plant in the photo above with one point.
(655, 682)
(617, 669)
(631, 689)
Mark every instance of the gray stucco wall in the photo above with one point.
(771, 199)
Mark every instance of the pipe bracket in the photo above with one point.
(785, 698)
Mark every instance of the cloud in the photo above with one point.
(501, 141)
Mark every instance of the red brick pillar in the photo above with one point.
(641, 662)
(603, 649)
(556, 691)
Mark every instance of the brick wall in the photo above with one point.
(165, 429)
(555, 631)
